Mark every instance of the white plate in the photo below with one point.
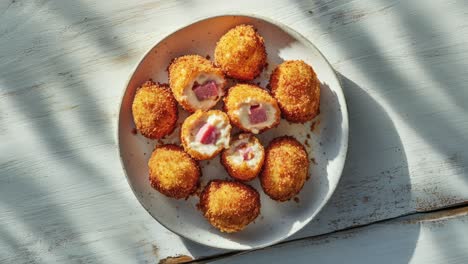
(327, 144)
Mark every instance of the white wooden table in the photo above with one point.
(404, 70)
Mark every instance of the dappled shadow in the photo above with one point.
(431, 108)
(450, 227)
(386, 243)
(45, 88)
(442, 62)
(375, 183)
(12, 245)
(54, 107)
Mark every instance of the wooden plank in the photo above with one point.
(63, 64)
(440, 237)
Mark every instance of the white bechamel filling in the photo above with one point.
(192, 99)
(237, 158)
(243, 113)
(222, 126)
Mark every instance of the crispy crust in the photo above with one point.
(243, 172)
(295, 86)
(154, 110)
(173, 172)
(240, 92)
(187, 126)
(183, 70)
(285, 169)
(241, 53)
(228, 205)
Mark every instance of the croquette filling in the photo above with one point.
(207, 134)
(246, 152)
(207, 90)
(255, 116)
(210, 134)
(204, 91)
(242, 151)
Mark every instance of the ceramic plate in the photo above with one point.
(325, 138)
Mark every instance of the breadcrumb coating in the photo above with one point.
(295, 86)
(173, 172)
(182, 73)
(285, 169)
(243, 170)
(240, 94)
(154, 110)
(241, 53)
(228, 205)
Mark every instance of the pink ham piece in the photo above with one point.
(257, 114)
(207, 90)
(207, 134)
(246, 152)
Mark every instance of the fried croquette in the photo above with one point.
(173, 172)
(228, 205)
(205, 133)
(244, 158)
(285, 169)
(295, 86)
(196, 83)
(241, 53)
(251, 108)
(154, 110)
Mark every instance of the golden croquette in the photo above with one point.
(285, 168)
(205, 133)
(251, 108)
(295, 86)
(195, 82)
(154, 110)
(173, 172)
(241, 53)
(228, 205)
(244, 158)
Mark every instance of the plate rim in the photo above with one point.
(344, 110)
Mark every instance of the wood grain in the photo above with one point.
(63, 65)
(423, 238)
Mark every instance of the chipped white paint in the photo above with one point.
(63, 64)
